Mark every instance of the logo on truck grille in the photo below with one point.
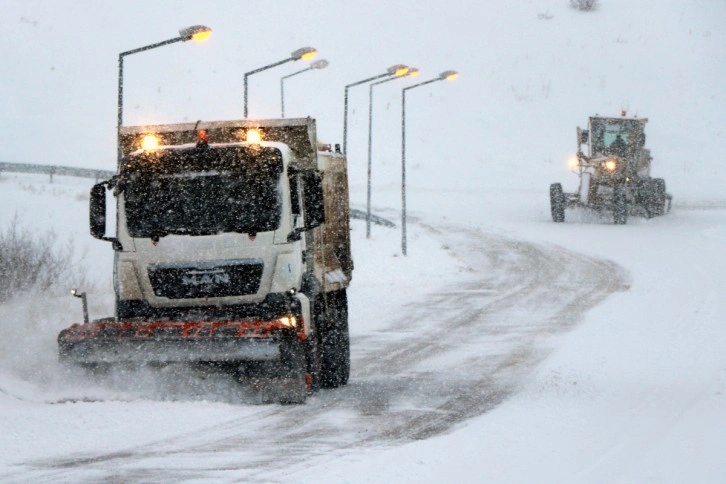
(205, 278)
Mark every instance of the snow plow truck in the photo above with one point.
(615, 174)
(231, 249)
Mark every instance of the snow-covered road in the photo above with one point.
(433, 359)
(521, 338)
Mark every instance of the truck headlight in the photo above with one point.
(254, 136)
(289, 321)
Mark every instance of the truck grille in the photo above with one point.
(209, 279)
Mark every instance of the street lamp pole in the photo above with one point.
(396, 70)
(301, 53)
(409, 73)
(196, 32)
(446, 75)
(321, 64)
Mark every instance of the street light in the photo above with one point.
(396, 70)
(195, 32)
(410, 72)
(444, 76)
(321, 64)
(305, 53)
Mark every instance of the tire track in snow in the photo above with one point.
(414, 381)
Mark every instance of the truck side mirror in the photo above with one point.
(97, 211)
(313, 199)
(584, 136)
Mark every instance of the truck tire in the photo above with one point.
(620, 205)
(557, 202)
(335, 341)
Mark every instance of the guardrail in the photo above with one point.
(56, 170)
(362, 215)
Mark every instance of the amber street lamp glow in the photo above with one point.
(309, 55)
(202, 35)
(195, 32)
(304, 53)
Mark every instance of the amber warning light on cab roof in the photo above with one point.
(202, 138)
(254, 136)
(149, 142)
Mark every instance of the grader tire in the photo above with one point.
(659, 196)
(620, 206)
(557, 202)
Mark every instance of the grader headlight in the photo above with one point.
(573, 162)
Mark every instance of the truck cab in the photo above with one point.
(211, 224)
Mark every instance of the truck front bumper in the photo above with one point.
(109, 341)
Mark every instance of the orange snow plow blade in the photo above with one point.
(112, 341)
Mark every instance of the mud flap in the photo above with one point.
(284, 381)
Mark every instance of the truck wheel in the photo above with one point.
(335, 341)
(620, 205)
(557, 202)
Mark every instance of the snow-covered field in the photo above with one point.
(529, 351)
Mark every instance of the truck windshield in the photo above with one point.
(202, 191)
